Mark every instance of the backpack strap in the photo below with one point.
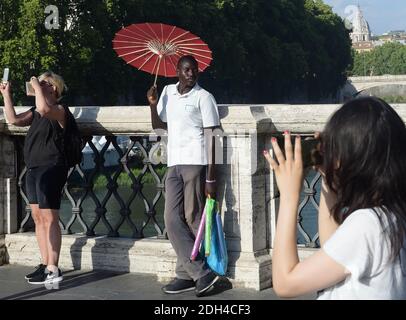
(65, 131)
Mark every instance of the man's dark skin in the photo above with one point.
(187, 73)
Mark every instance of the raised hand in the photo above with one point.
(152, 95)
(5, 88)
(288, 169)
(35, 83)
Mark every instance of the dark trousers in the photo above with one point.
(184, 204)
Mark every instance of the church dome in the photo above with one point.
(360, 28)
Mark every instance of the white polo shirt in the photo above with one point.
(186, 116)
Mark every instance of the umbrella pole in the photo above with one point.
(156, 76)
(157, 70)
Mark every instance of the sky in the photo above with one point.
(382, 15)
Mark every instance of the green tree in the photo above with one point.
(21, 47)
(389, 58)
(329, 49)
(264, 51)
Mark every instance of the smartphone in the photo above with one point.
(311, 152)
(29, 89)
(5, 74)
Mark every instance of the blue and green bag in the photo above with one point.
(217, 259)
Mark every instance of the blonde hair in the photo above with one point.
(56, 80)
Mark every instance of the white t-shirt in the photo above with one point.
(361, 247)
(187, 115)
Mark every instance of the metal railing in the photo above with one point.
(98, 185)
(90, 190)
(96, 202)
(307, 225)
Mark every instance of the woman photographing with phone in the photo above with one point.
(362, 211)
(46, 167)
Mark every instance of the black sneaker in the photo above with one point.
(179, 286)
(205, 283)
(48, 277)
(39, 269)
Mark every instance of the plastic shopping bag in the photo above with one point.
(199, 236)
(217, 259)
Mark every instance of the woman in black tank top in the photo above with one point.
(46, 169)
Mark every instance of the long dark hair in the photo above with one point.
(364, 158)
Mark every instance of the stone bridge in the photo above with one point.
(363, 83)
(356, 85)
(94, 237)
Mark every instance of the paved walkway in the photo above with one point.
(107, 285)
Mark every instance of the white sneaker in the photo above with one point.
(54, 277)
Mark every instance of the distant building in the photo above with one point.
(397, 33)
(361, 33)
(363, 46)
(363, 41)
(392, 36)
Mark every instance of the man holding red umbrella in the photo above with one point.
(190, 114)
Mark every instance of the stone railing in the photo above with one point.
(246, 192)
(385, 78)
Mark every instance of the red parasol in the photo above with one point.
(156, 48)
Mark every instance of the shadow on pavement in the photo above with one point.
(68, 283)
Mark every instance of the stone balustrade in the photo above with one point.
(247, 193)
